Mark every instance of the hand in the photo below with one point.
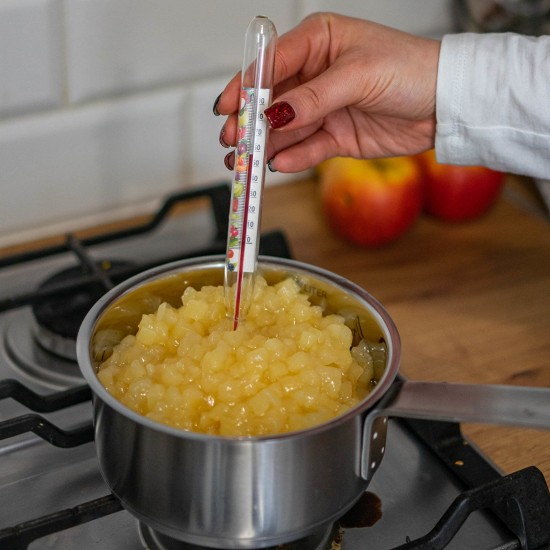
(355, 89)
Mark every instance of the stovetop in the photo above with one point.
(432, 490)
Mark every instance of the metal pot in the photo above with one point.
(256, 492)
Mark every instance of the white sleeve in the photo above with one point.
(493, 102)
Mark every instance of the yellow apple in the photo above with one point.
(370, 202)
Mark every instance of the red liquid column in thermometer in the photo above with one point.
(250, 159)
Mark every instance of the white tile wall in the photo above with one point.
(66, 164)
(106, 105)
(117, 46)
(31, 58)
(426, 17)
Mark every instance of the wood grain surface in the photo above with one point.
(471, 300)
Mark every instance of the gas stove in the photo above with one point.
(433, 489)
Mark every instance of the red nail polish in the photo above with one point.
(279, 114)
(215, 106)
(222, 141)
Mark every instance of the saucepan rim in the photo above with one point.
(376, 309)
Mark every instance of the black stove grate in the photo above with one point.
(219, 196)
(43, 403)
(22, 535)
(521, 499)
(46, 430)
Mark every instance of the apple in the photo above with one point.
(370, 202)
(458, 193)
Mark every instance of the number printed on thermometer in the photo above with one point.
(255, 178)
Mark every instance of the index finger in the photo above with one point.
(298, 50)
(303, 49)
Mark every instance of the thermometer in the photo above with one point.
(249, 173)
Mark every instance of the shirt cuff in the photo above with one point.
(492, 102)
(454, 54)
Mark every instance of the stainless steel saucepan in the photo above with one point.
(230, 492)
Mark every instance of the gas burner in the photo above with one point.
(36, 363)
(324, 539)
(58, 317)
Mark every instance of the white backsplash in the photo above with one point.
(106, 105)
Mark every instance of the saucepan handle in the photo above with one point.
(488, 404)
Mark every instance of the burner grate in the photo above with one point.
(219, 196)
(20, 536)
(45, 403)
(524, 492)
(521, 497)
(446, 440)
(46, 430)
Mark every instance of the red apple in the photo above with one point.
(457, 193)
(371, 202)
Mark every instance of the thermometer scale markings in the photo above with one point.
(256, 159)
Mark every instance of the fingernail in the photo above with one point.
(222, 142)
(279, 114)
(215, 107)
(229, 160)
(270, 166)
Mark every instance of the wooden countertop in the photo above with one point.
(471, 300)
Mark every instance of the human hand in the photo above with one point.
(344, 87)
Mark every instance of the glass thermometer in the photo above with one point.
(249, 173)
